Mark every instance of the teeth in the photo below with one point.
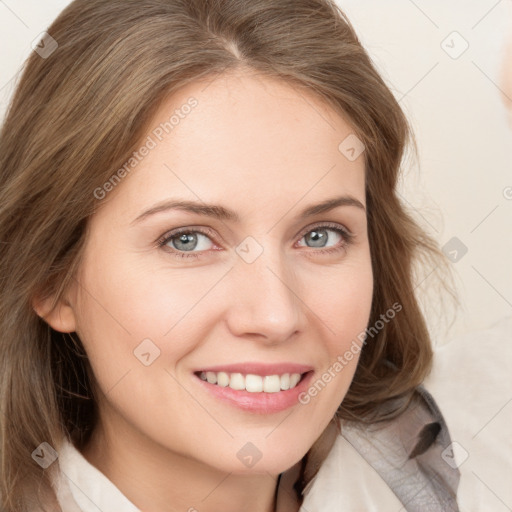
(294, 380)
(272, 384)
(222, 379)
(253, 383)
(237, 381)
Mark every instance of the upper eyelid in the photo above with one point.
(328, 224)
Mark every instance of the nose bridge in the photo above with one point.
(265, 301)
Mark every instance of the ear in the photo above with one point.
(61, 317)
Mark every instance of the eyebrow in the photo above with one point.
(222, 213)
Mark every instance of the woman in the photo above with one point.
(207, 273)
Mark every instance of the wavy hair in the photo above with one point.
(78, 114)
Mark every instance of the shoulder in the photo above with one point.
(386, 466)
(412, 454)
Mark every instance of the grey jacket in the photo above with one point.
(412, 454)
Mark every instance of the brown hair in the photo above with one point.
(78, 114)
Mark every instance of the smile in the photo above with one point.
(251, 382)
(256, 387)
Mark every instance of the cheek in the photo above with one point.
(125, 301)
(342, 302)
(342, 298)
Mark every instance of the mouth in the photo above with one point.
(263, 389)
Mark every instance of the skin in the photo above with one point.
(265, 150)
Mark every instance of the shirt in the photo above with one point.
(369, 467)
(337, 486)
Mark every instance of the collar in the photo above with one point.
(81, 487)
(400, 463)
(404, 463)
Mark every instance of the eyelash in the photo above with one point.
(165, 239)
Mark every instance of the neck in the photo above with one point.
(152, 478)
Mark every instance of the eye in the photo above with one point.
(320, 236)
(186, 240)
(194, 242)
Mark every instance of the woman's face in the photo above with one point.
(255, 286)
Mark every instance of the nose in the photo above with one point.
(265, 302)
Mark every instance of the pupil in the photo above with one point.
(317, 236)
(187, 239)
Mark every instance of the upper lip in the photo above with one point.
(259, 368)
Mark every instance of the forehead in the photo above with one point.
(246, 140)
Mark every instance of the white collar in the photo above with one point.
(81, 487)
(345, 481)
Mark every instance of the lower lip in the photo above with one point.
(262, 403)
